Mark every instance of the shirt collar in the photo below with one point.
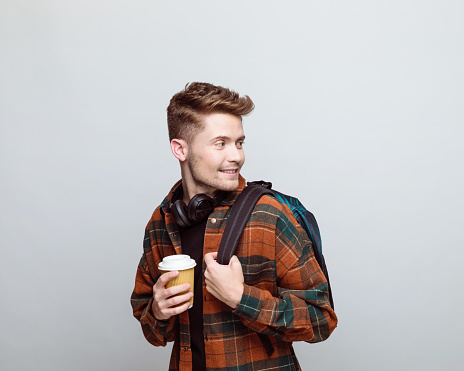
(166, 202)
(230, 199)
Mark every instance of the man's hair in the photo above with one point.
(189, 106)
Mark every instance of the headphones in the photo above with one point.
(199, 207)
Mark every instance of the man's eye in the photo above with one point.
(240, 144)
(220, 144)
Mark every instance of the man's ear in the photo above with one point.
(179, 149)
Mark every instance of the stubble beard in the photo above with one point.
(210, 184)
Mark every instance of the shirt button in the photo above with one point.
(185, 348)
(213, 220)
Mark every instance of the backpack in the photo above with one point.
(239, 216)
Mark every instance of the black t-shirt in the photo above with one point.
(192, 239)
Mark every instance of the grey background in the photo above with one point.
(359, 113)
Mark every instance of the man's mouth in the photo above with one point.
(229, 171)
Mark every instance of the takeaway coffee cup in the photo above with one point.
(185, 265)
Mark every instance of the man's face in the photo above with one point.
(215, 156)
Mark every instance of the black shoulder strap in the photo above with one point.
(238, 218)
(236, 222)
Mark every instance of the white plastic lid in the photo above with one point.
(176, 263)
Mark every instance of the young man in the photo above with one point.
(272, 286)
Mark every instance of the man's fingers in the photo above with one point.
(172, 311)
(210, 258)
(174, 290)
(170, 301)
(235, 264)
(180, 308)
(178, 299)
(165, 278)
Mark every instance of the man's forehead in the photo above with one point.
(221, 125)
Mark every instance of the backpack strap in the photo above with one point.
(236, 222)
(238, 219)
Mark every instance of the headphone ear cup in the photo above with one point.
(200, 207)
(180, 213)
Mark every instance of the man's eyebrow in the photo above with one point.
(225, 137)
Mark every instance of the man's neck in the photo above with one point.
(189, 193)
(191, 188)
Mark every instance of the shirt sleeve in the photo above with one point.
(300, 310)
(157, 332)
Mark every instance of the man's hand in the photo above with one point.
(165, 302)
(225, 282)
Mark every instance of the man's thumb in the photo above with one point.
(234, 260)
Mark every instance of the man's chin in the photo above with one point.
(229, 186)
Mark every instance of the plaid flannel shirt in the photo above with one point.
(285, 293)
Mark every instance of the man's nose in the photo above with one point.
(235, 154)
